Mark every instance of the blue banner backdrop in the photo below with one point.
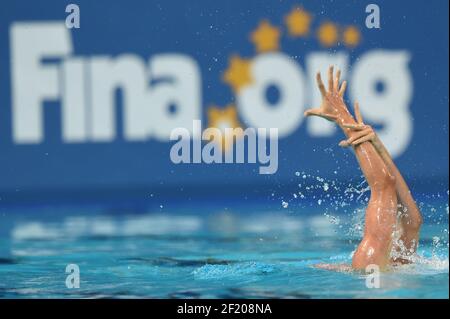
(90, 109)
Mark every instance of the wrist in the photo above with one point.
(377, 143)
(346, 118)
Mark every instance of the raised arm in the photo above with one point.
(381, 212)
(411, 218)
(333, 108)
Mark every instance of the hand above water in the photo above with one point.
(333, 106)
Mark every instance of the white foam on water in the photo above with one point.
(271, 223)
(73, 227)
(320, 225)
(160, 224)
(35, 230)
(33, 252)
(424, 266)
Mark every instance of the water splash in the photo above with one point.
(344, 204)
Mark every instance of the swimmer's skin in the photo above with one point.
(388, 188)
(410, 217)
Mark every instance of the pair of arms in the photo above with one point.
(333, 108)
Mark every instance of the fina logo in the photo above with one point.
(45, 68)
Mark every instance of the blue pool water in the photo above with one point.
(208, 253)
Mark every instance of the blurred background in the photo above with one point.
(91, 90)
(85, 113)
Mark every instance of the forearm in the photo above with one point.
(402, 188)
(368, 158)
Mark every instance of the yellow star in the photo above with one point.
(223, 118)
(328, 34)
(238, 73)
(266, 37)
(298, 22)
(351, 36)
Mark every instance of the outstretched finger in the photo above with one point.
(310, 112)
(357, 136)
(319, 112)
(320, 84)
(337, 78)
(330, 78)
(344, 143)
(363, 139)
(356, 127)
(342, 89)
(359, 118)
